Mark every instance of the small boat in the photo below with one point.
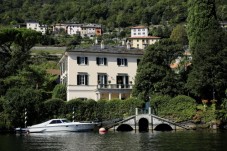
(57, 125)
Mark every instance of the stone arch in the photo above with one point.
(163, 127)
(143, 125)
(124, 128)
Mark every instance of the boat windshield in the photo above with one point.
(65, 121)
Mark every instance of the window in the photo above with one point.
(82, 60)
(122, 62)
(122, 81)
(102, 80)
(101, 61)
(82, 79)
(55, 122)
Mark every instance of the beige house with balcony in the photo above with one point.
(99, 72)
(140, 38)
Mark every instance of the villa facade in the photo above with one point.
(99, 72)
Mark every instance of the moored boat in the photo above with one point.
(57, 125)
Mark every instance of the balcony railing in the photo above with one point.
(114, 86)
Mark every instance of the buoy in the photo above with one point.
(102, 130)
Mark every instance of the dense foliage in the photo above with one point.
(207, 79)
(154, 73)
(179, 108)
(111, 13)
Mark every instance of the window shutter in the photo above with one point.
(126, 62)
(86, 60)
(126, 80)
(97, 60)
(105, 61)
(138, 61)
(118, 80)
(118, 61)
(78, 60)
(105, 79)
(86, 79)
(98, 79)
(78, 79)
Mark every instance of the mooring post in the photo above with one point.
(149, 110)
(25, 117)
(136, 111)
(135, 123)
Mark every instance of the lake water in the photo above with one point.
(117, 141)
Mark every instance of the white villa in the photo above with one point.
(90, 30)
(37, 27)
(99, 72)
(140, 38)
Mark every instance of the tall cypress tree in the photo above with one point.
(207, 79)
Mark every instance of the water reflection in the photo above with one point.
(116, 141)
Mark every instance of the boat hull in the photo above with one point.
(79, 127)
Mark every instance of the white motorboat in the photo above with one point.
(57, 125)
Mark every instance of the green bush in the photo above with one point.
(59, 92)
(54, 108)
(83, 110)
(181, 108)
(159, 104)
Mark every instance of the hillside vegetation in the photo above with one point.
(110, 13)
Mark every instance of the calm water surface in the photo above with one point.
(117, 141)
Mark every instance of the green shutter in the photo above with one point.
(105, 61)
(86, 60)
(78, 60)
(86, 79)
(97, 61)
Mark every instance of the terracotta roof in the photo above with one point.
(136, 27)
(53, 71)
(144, 37)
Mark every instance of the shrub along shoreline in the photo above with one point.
(178, 109)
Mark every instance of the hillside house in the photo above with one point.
(140, 38)
(37, 27)
(99, 72)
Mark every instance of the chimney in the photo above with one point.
(128, 46)
(102, 45)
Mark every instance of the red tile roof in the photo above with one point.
(53, 71)
(136, 27)
(145, 37)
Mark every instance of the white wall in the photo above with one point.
(92, 69)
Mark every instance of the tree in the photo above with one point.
(19, 99)
(179, 35)
(154, 70)
(59, 92)
(15, 45)
(207, 80)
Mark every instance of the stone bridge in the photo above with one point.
(145, 122)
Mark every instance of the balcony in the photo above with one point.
(114, 86)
